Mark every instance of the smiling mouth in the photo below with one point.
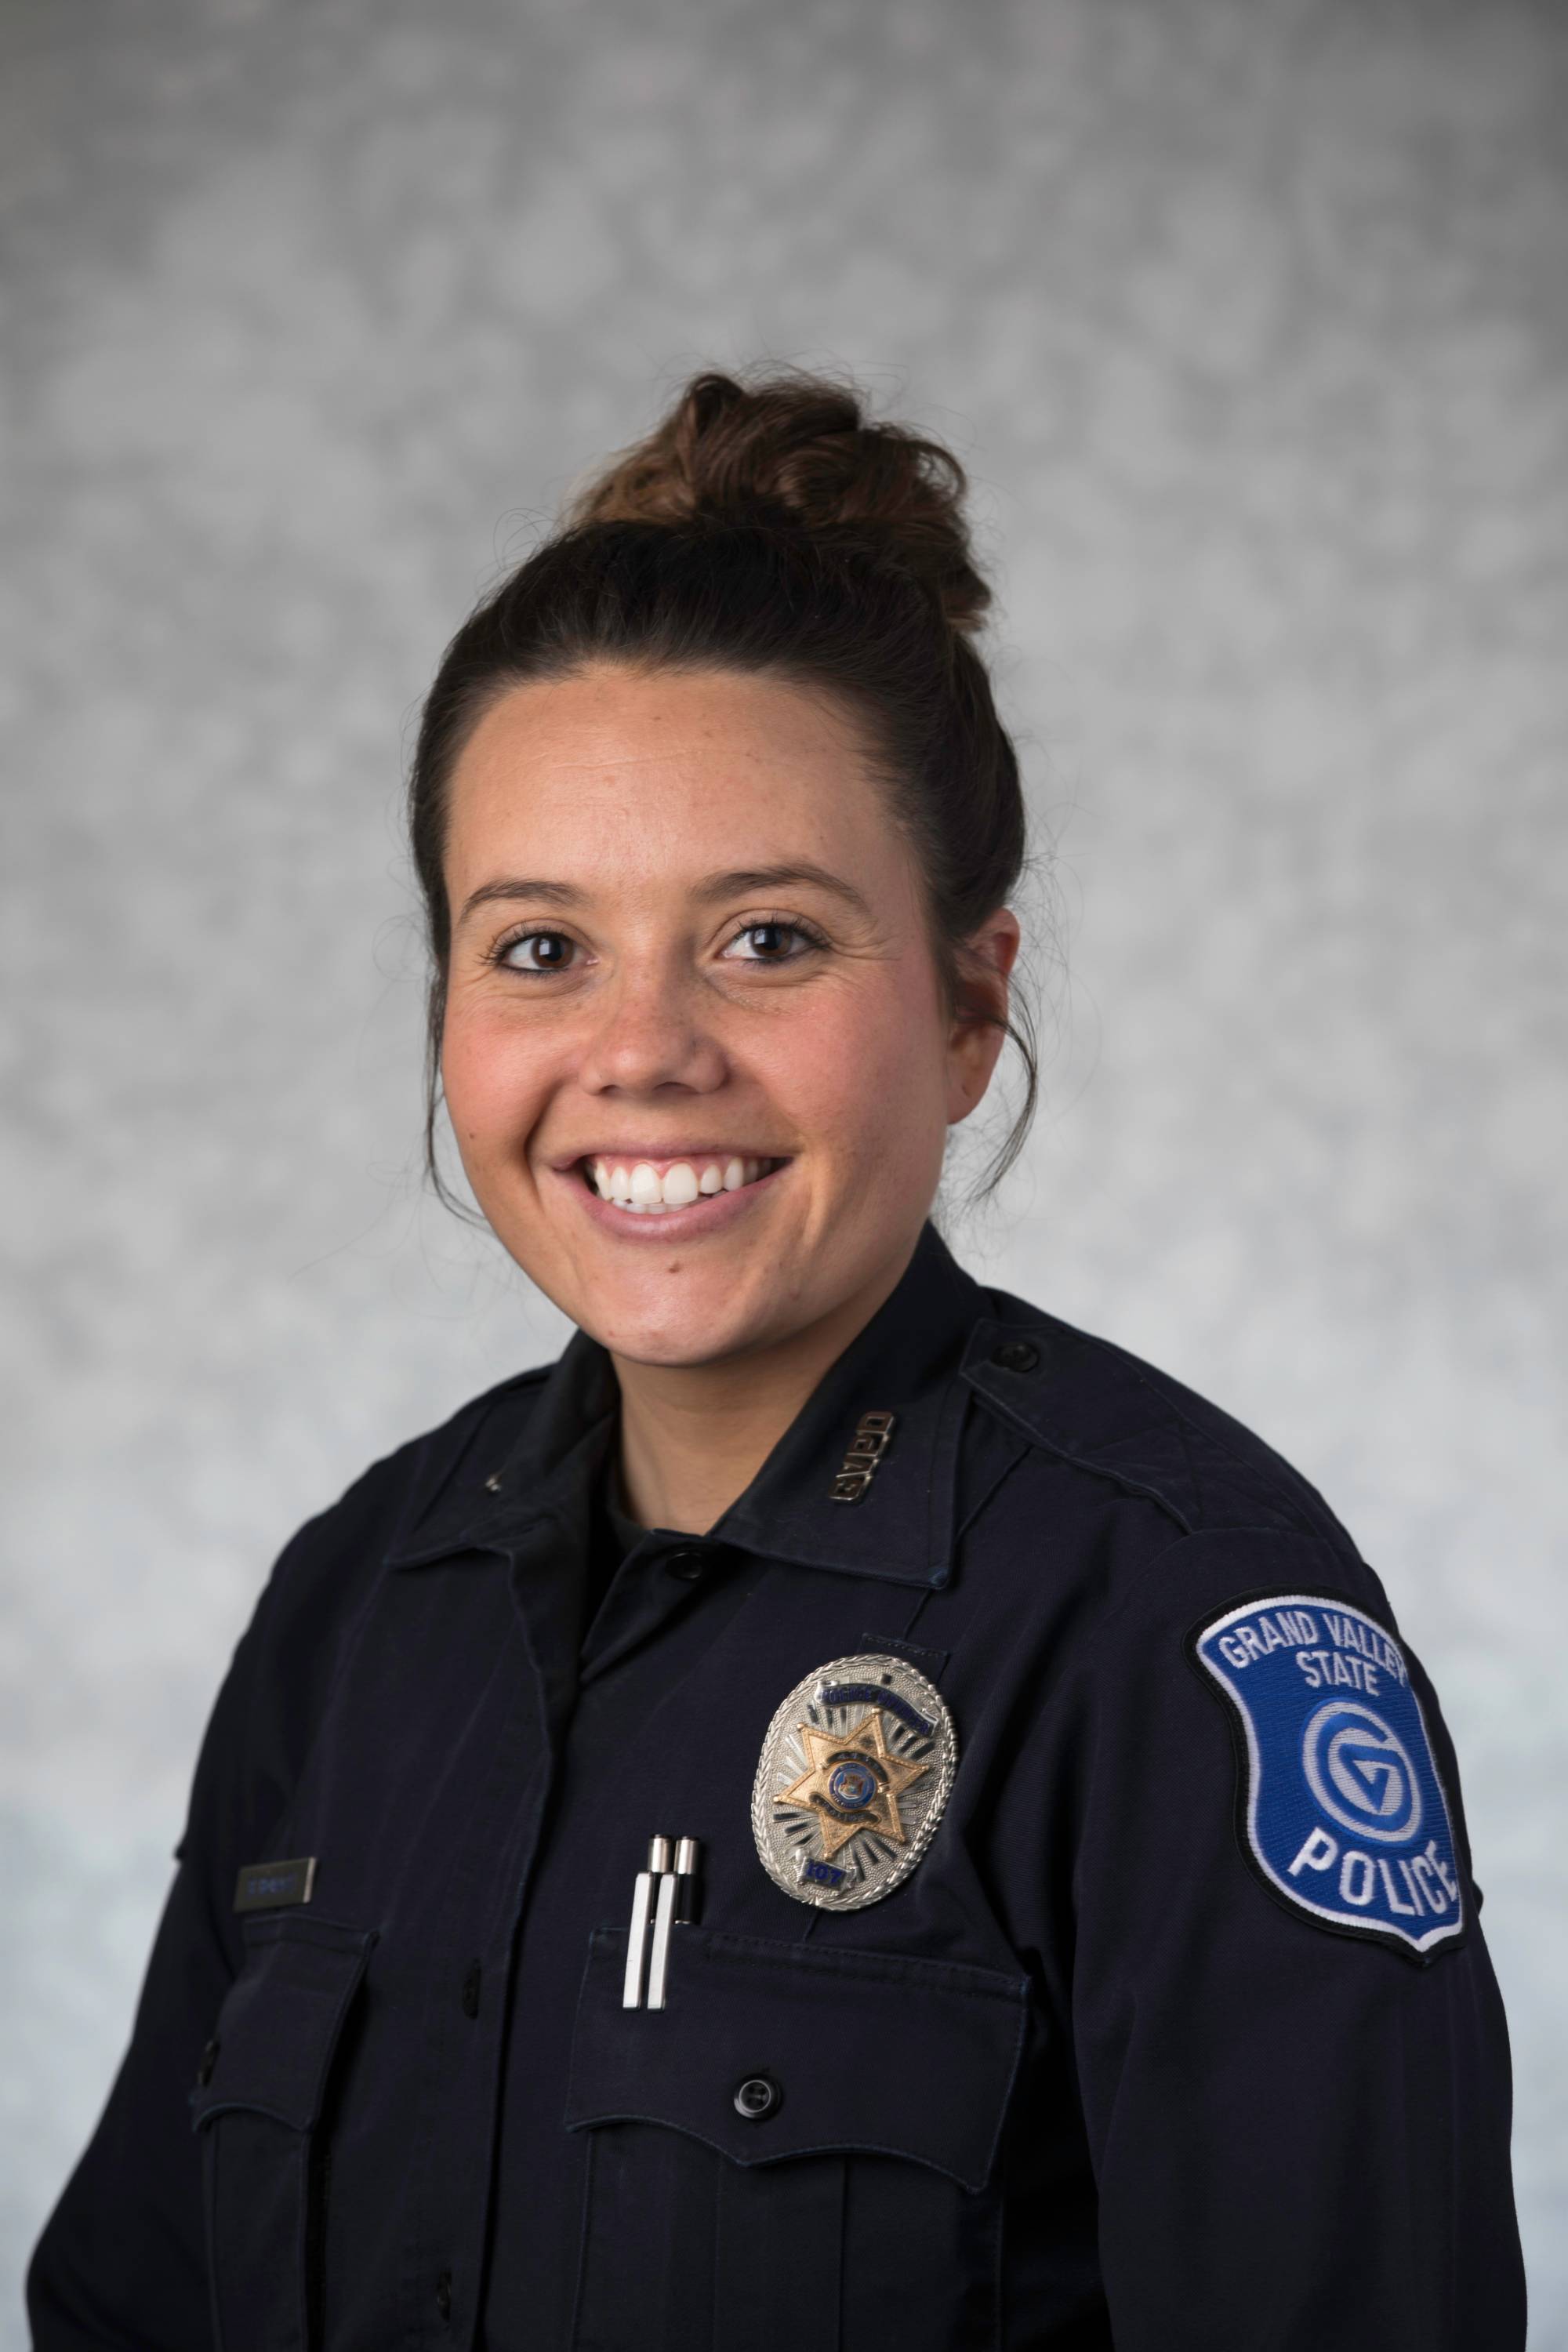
(650, 1189)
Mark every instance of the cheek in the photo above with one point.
(865, 1073)
(489, 1071)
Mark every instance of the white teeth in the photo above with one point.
(642, 1189)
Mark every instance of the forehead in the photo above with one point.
(663, 766)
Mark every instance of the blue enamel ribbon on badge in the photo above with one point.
(1343, 1813)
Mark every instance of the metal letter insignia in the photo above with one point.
(858, 1467)
(851, 1782)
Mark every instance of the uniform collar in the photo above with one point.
(905, 1361)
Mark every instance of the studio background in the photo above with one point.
(1249, 316)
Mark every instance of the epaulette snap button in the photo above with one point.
(1016, 1356)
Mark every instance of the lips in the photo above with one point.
(649, 1186)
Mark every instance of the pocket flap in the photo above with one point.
(876, 2051)
(280, 2020)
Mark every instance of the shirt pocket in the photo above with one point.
(848, 2202)
(259, 2114)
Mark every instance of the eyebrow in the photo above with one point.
(739, 883)
(745, 879)
(554, 893)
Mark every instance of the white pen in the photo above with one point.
(636, 1933)
(659, 1955)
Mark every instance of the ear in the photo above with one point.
(978, 1033)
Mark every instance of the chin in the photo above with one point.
(685, 1332)
(670, 1355)
(671, 1339)
(686, 1347)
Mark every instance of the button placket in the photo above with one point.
(651, 1588)
(493, 1860)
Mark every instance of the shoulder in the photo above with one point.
(1186, 1561)
(1083, 1400)
(305, 1614)
(1164, 1485)
(340, 1550)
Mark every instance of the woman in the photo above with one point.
(845, 1812)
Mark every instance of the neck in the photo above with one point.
(693, 1436)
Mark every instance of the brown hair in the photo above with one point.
(767, 526)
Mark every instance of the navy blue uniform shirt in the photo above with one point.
(1181, 2032)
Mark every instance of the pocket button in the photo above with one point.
(758, 2097)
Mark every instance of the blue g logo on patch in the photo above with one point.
(1341, 1811)
(1360, 1773)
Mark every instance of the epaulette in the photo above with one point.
(1111, 1414)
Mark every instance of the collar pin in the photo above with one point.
(859, 1467)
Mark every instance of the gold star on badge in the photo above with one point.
(854, 1783)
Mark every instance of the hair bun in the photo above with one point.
(798, 449)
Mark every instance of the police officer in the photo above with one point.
(845, 1815)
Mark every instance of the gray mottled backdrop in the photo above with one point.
(1250, 317)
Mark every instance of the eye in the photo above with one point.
(771, 939)
(534, 951)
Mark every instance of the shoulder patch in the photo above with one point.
(1340, 1809)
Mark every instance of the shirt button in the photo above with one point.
(208, 2061)
(688, 1564)
(1015, 1356)
(758, 2097)
(444, 2295)
(471, 1990)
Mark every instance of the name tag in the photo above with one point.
(265, 1886)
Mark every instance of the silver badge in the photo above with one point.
(852, 1779)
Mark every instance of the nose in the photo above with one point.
(651, 1033)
